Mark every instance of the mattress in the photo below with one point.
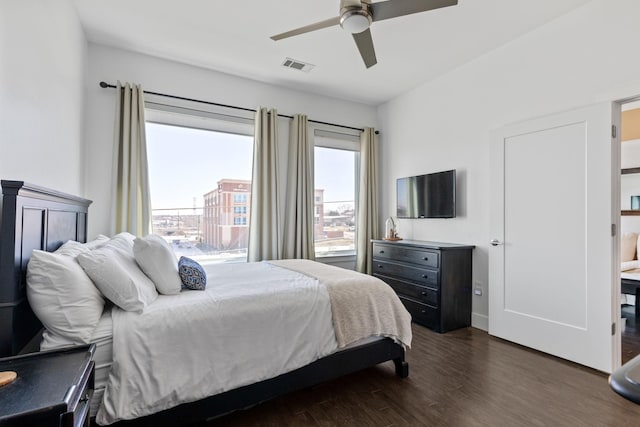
(284, 314)
(103, 339)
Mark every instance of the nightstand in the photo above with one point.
(53, 388)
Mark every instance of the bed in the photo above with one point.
(38, 218)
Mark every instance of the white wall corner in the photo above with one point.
(480, 321)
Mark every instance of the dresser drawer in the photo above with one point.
(79, 400)
(405, 254)
(422, 313)
(416, 292)
(421, 276)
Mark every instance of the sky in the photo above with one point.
(186, 163)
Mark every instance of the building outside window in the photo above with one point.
(230, 212)
(200, 190)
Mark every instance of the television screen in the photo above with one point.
(427, 196)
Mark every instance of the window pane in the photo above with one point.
(200, 191)
(335, 173)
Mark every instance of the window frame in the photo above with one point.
(346, 140)
(198, 116)
(188, 114)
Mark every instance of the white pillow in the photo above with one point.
(628, 243)
(118, 277)
(123, 242)
(63, 297)
(72, 248)
(156, 258)
(97, 242)
(630, 265)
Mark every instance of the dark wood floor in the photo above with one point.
(461, 378)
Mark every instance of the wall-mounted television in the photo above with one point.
(427, 196)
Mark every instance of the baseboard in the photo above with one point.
(480, 321)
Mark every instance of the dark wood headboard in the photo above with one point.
(32, 218)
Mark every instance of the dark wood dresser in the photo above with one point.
(432, 279)
(53, 388)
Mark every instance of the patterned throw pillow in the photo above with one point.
(192, 274)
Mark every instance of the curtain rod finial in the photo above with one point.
(103, 85)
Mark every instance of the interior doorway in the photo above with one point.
(630, 228)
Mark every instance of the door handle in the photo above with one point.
(496, 242)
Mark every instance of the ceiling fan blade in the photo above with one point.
(307, 29)
(365, 46)
(394, 8)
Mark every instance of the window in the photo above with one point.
(200, 166)
(336, 167)
(200, 189)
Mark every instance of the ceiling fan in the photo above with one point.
(357, 15)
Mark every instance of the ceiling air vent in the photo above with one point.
(297, 65)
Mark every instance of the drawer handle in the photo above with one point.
(423, 311)
(381, 252)
(379, 265)
(423, 293)
(426, 258)
(424, 276)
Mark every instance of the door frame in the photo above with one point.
(616, 160)
(616, 338)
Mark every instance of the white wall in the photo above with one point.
(174, 78)
(42, 70)
(581, 58)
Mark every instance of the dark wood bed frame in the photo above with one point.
(38, 218)
(32, 218)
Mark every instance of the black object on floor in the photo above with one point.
(626, 380)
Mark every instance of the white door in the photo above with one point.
(551, 261)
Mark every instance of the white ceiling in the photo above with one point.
(233, 37)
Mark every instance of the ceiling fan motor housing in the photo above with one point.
(355, 19)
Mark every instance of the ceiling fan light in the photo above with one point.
(355, 21)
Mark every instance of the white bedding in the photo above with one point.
(255, 321)
(633, 274)
(189, 346)
(102, 337)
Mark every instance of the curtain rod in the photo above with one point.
(107, 85)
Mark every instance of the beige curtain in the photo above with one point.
(131, 201)
(367, 227)
(265, 237)
(299, 205)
